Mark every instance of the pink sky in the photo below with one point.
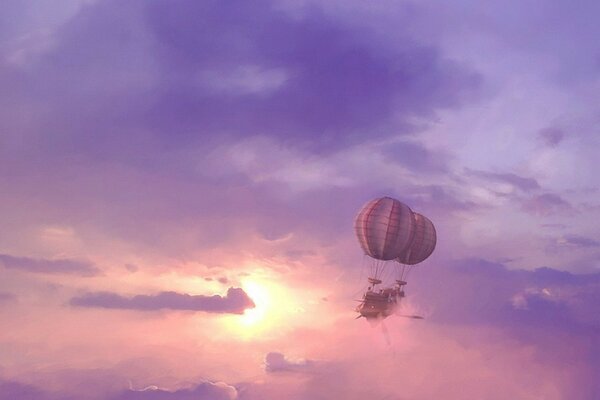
(179, 181)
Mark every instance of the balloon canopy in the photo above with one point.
(423, 242)
(385, 228)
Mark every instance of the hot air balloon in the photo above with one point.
(421, 247)
(384, 228)
(388, 229)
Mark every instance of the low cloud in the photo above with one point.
(203, 391)
(49, 266)
(499, 332)
(10, 390)
(277, 362)
(235, 302)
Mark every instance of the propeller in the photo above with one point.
(412, 316)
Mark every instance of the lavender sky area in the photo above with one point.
(179, 180)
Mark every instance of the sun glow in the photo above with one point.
(259, 293)
(277, 308)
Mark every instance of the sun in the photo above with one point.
(261, 296)
(272, 315)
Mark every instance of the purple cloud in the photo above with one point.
(14, 390)
(578, 241)
(335, 82)
(546, 204)
(542, 308)
(572, 244)
(551, 136)
(235, 302)
(554, 226)
(19, 391)
(159, 81)
(203, 391)
(5, 296)
(482, 292)
(520, 182)
(277, 362)
(131, 268)
(436, 197)
(156, 94)
(416, 157)
(48, 266)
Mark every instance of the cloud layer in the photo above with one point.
(277, 362)
(236, 301)
(151, 150)
(46, 266)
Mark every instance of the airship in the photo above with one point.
(394, 239)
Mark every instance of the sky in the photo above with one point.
(179, 181)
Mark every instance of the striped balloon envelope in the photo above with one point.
(423, 242)
(385, 228)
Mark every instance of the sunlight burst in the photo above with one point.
(259, 293)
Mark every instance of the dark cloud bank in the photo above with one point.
(156, 87)
(235, 302)
(309, 80)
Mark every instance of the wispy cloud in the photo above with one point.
(520, 182)
(577, 241)
(49, 266)
(551, 136)
(278, 362)
(546, 204)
